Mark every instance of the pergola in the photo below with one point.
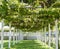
(30, 19)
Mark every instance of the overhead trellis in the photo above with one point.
(56, 4)
(28, 22)
(33, 21)
(28, 19)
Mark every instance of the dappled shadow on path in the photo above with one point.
(31, 44)
(27, 44)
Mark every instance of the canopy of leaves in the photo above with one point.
(36, 21)
(28, 19)
(50, 2)
(56, 4)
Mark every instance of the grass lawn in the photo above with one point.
(27, 44)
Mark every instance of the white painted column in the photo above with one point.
(45, 35)
(42, 35)
(19, 35)
(16, 35)
(2, 32)
(56, 33)
(49, 36)
(9, 35)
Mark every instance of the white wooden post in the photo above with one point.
(9, 35)
(49, 36)
(2, 32)
(56, 33)
(45, 35)
(18, 35)
(14, 37)
(42, 34)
